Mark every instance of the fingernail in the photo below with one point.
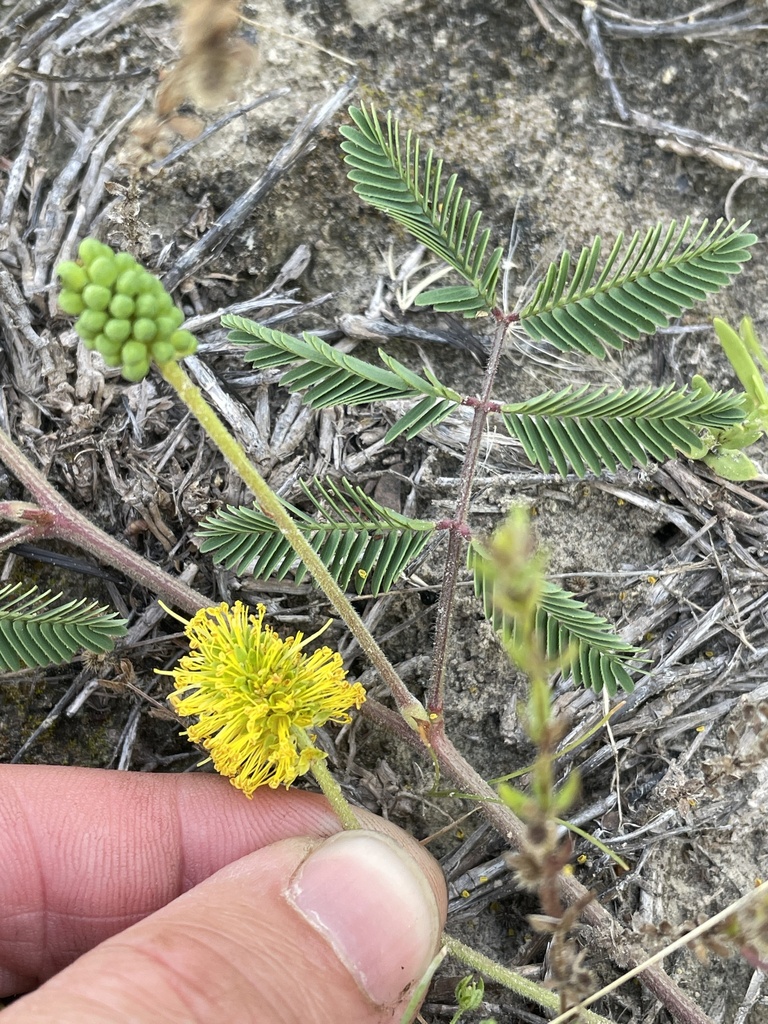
(372, 904)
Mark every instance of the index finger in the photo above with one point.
(85, 852)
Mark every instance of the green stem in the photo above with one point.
(333, 794)
(420, 989)
(509, 979)
(411, 709)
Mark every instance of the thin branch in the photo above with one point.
(458, 527)
(227, 224)
(37, 38)
(185, 147)
(56, 518)
(601, 62)
(55, 213)
(37, 98)
(617, 941)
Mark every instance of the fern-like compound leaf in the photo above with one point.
(35, 631)
(640, 288)
(327, 377)
(361, 543)
(596, 657)
(593, 428)
(394, 172)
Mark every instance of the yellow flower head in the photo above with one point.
(255, 696)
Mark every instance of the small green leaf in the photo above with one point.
(452, 299)
(326, 377)
(731, 464)
(567, 795)
(742, 350)
(592, 428)
(361, 543)
(397, 175)
(35, 631)
(597, 657)
(517, 802)
(641, 286)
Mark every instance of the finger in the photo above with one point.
(86, 853)
(298, 932)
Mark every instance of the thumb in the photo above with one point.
(300, 932)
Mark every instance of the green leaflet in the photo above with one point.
(395, 173)
(722, 448)
(598, 656)
(576, 306)
(361, 543)
(328, 377)
(639, 289)
(35, 631)
(593, 428)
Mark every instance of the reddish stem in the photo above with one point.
(457, 527)
(62, 521)
(475, 403)
(55, 518)
(435, 694)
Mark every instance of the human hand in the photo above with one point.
(133, 898)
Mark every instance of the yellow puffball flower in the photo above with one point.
(256, 696)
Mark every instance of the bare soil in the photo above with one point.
(509, 94)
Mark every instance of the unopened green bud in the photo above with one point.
(72, 276)
(118, 330)
(121, 307)
(128, 283)
(90, 250)
(71, 302)
(103, 271)
(124, 261)
(122, 310)
(146, 305)
(107, 346)
(96, 297)
(91, 321)
(136, 371)
(184, 342)
(144, 330)
(163, 351)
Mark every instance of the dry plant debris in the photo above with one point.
(687, 746)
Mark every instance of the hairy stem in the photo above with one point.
(510, 979)
(457, 529)
(609, 934)
(411, 709)
(333, 794)
(450, 760)
(21, 535)
(55, 518)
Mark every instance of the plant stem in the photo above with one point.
(411, 709)
(611, 937)
(56, 518)
(608, 932)
(620, 944)
(435, 695)
(729, 912)
(21, 535)
(510, 979)
(333, 794)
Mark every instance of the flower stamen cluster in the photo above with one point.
(257, 697)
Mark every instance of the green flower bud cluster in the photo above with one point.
(123, 311)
